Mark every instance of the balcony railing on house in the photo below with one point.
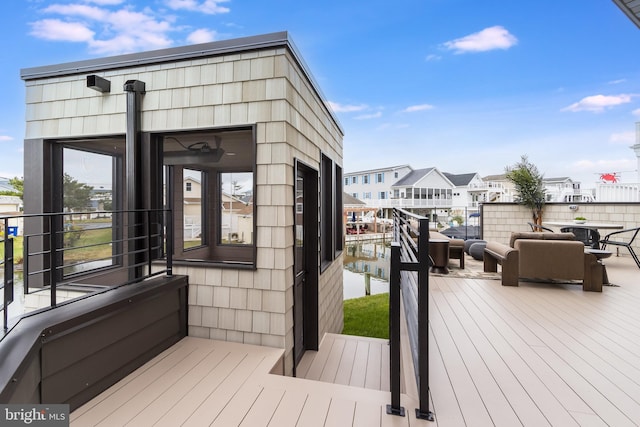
(409, 203)
(63, 257)
(409, 279)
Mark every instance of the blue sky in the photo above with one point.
(466, 86)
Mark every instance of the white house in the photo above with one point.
(373, 186)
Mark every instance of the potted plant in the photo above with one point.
(580, 220)
(529, 187)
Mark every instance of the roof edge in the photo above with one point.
(626, 8)
(158, 56)
(243, 44)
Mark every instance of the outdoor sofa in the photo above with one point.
(544, 256)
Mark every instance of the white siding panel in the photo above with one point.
(241, 71)
(239, 114)
(262, 68)
(231, 93)
(192, 76)
(208, 74)
(205, 116)
(158, 80)
(224, 72)
(33, 94)
(212, 94)
(259, 112)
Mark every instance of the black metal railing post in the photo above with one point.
(423, 411)
(53, 258)
(394, 332)
(8, 276)
(169, 242)
(149, 243)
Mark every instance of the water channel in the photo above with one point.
(366, 265)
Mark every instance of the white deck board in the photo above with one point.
(534, 355)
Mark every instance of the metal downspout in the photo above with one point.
(134, 89)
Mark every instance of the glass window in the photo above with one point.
(338, 210)
(236, 208)
(365, 179)
(327, 206)
(193, 205)
(87, 195)
(354, 179)
(379, 178)
(211, 192)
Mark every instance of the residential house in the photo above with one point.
(246, 112)
(373, 186)
(466, 195)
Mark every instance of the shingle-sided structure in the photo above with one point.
(241, 115)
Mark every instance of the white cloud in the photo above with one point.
(201, 36)
(369, 116)
(414, 108)
(617, 82)
(636, 112)
(105, 30)
(90, 12)
(491, 38)
(105, 2)
(210, 7)
(433, 57)
(54, 29)
(5, 138)
(622, 138)
(339, 108)
(598, 103)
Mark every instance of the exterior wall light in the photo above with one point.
(98, 83)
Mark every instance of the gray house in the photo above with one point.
(243, 113)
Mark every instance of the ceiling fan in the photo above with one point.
(198, 153)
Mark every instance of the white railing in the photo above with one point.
(618, 192)
(494, 186)
(409, 203)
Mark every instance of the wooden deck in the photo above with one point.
(535, 355)
(356, 361)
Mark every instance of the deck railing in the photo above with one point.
(81, 254)
(409, 279)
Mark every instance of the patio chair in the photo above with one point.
(536, 227)
(589, 236)
(627, 244)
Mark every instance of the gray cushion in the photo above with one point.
(476, 250)
(469, 242)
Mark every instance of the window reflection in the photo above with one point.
(193, 202)
(236, 210)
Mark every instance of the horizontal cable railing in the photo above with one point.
(409, 280)
(60, 257)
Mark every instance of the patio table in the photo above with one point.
(587, 224)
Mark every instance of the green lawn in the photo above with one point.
(17, 249)
(367, 316)
(100, 237)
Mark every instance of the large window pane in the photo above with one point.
(88, 230)
(236, 209)
(193, 201)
